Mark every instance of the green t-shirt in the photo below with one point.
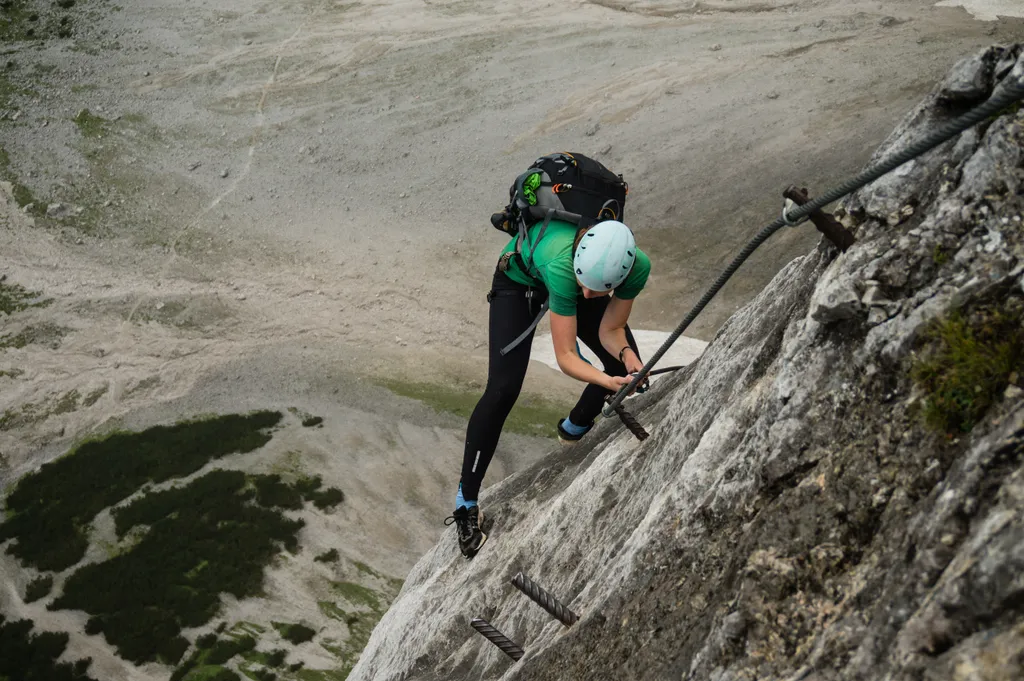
(552, 268)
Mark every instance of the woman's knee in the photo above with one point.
(503, 394)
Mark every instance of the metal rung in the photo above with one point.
(499, 639)
(545, 600)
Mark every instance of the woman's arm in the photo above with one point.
(613, 332)
(563, 336)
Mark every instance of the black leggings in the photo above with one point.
(512, 311)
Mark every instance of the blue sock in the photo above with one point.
(460, 501)
(571, 428)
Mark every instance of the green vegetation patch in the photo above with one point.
(328, 556)
(27, 20)
(257, 673)
(294, 633)
(392, 582)
(90, 125)
(360, 608)
(532, 415)
(327, 499)
(357, 595)
(52, 507)
(308, 420)
(211, 652)
(242, 629)
(9, 90)
(34, 656)
(18, 20)
(15, 298)
(272, 492)
(332, 610)
(206, 538)
(38, 588)
(35, 412)
(206, 641)
(45, 333)
(322, 674)
(225, 649)
(22, 196)
(211, 673)
(967, 363)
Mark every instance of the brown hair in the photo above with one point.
(579, 237)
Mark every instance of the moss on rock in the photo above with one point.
(968, 361)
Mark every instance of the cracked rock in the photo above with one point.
(836, 302)
(969, 81)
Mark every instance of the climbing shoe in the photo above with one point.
(567, 438)
(467, 525)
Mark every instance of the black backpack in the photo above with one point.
(570, 187)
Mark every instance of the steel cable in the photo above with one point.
(1007, 94)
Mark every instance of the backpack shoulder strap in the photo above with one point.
(524, 238)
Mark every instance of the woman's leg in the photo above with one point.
(589, 312)
(510, 314)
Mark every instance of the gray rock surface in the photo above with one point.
(791, 517)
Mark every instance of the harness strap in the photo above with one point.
(523, 336)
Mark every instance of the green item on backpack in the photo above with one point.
(530, 187)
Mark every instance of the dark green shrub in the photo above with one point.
(185, 667)
(206, 640)
(328, 556)
(276, 658)
(204, 539)
(31, 657)
(38, 588)
(15, 298)
(295, 633)
(328, 498)
(273, 493)
(50, 507)
(225, 649)
(312, 421)
(172, 650)
(306, 486)
(212, 488)
(94, 626)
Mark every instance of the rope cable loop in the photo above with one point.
(1005, 93)
(789, 205)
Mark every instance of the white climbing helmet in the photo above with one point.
(604, 256)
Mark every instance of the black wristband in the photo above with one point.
(624, 350)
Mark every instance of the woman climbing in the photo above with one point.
(589, 278)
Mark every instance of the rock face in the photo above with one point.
(791, 516)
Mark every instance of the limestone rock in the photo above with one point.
(790, 516)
